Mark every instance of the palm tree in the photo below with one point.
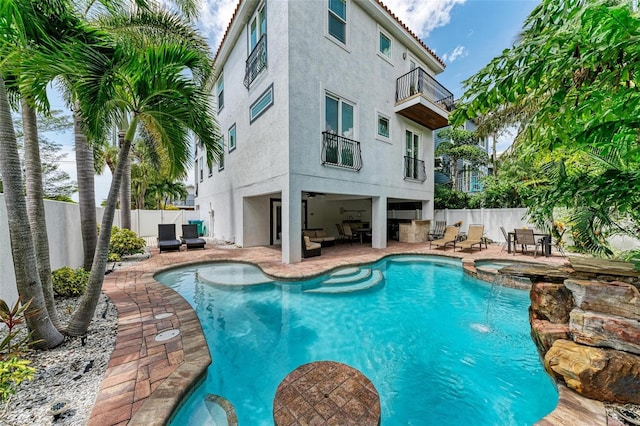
(155, 87)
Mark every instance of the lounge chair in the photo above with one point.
(450, 237)
(525, 238)
(309, 248)
(506, 239)
(190, 237)
(167, 237)
(474, 238)
(438, 230)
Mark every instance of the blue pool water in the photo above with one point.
(439, 346)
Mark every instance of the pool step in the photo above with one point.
(373, 279)
(353, 276)
(345, 271)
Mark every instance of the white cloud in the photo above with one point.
(423, 16)
(215, 16)
(459, 52)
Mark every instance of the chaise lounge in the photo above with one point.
(450, 237)
(190, 237)
(167, 237)
(474, 238)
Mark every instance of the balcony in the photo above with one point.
(256, 62)
(420, 98)
(339, 151)
(414, 169)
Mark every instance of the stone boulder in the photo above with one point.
(603, 374)
(603, 330)
(551, 302)
(616, 298)
(544, 333)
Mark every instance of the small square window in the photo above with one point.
(383, 126)
(385, 45)
(232, 138)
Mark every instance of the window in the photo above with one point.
(385, 45)
(261, 105)
(257, 27)
(339, 116)
(383, 126)
(221, 160)
(232, 138)
(210, 171)
(201, 169)
(412, 153)
(220, 91)
(338, 20)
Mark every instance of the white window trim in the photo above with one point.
(221, 166)
(220, 79)
(235, 145)
(340, 99)
(389, 59)
(347, 29)
(258, 99)
(386, 139)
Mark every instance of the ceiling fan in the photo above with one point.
(315, 194)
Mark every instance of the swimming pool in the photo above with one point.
(439, 346)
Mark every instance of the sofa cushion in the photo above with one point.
(310, 234)
(320, 233)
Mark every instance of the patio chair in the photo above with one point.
(309, 248)
(190, 237)
(474, 237)
(450, 237)
(506, 239)
(438, 230)
(167, 237)
(349, 234)
(525, 238)
(340, 231)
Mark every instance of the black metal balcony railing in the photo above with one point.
(256, 62)
(419, 81)
(340, 151)
(414, 169)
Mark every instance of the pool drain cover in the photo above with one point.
(166, 335)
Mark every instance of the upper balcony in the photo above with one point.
(256, 62)
(420, 98)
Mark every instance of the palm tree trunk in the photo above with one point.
(86, 192)
(81, 318)
(35, 206)
(45, 335)
(125, 188)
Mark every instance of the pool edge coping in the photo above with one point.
(163, 401)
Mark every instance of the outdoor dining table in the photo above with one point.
(546, 242)
(361, 233)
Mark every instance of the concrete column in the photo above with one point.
(427, 210)
(291, 225)
(379, 222)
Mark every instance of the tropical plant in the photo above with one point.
(69, 282)
(13, 372)
(11, 318)
(124, 242)
(570, 81)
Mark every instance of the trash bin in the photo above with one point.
(200, 224)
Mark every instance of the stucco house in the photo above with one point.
(328, 111)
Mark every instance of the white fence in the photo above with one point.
(65, 239)
(493, 219)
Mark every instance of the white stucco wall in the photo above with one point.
(65, 243)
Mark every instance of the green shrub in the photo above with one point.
(124, 242)
(68, 282)
(12, 373)
(13, 344)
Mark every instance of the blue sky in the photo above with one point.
(466, 34)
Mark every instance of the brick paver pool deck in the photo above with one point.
(146, 379)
